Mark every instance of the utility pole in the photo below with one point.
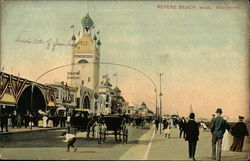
(160, 103)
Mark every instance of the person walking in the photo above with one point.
(211, 122)
(4, 122)
(13, 120)
(225, 140)
(19, 121)
(181, 127)
(167, 129)
(31, 121)
(239, 131)
(192, 135)
(156, 123)
(218, 128)
(26, 120)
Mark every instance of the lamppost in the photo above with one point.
(160, 102)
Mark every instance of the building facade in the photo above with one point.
(84, 74)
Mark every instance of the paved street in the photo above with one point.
(49, 145)
(143, 144)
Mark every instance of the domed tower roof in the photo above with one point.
(73, 37)
(87, 21)
(143, 104)
(94, 37)
(117, 90)
(99, 42)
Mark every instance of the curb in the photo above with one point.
(27, 131)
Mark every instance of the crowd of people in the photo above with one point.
(30, 120)
(219, 127)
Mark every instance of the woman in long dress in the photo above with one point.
(45, 118)
(167, 129)
(225, 141)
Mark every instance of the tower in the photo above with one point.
(86, 52)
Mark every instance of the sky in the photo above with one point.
(202, 53)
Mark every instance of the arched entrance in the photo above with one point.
(24, 102)
(86, 102)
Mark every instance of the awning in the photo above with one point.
(61, 108)
(8, 99)
(81, 109)
(51, 104)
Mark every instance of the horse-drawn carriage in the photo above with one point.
(82, 121)
(139, 121)
(113, 124)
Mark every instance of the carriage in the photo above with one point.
(113, 124)
(139, 121)
(82, 121)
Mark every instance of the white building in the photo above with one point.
(85, 75)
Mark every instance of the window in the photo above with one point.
(82, 82)
(88, 79)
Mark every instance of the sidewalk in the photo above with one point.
(177, 149)
(24, 130)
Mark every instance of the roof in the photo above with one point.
(87, 21)
(140, 108)
(117, 90)
(99, 42)
(107, 84)
(73, 37)
(94, 37)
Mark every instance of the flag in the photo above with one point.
(115, 75)
(105, 76)
(97, 32)
(72, 26)
(78, 33)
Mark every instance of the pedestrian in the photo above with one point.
(156, 123)
(13, 120)
(31, 121)
(70, 139)
(225, 140)
(26, 120)
(181, 127)
(192, 135)
(218, 128)
(211, 122)
(239, 131)
(45, 118)
(203, 126)
(167, 129)
(19, 121)
(4, 122)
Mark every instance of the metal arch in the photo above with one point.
(31, 89)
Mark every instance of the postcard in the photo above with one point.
(124, 80)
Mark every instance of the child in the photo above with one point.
(167, 129)
(70, 139)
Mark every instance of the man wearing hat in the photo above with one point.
(239, 131)
(192, 135)
(218, 128)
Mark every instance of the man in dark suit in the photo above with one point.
(218, 128)
(192, 135)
